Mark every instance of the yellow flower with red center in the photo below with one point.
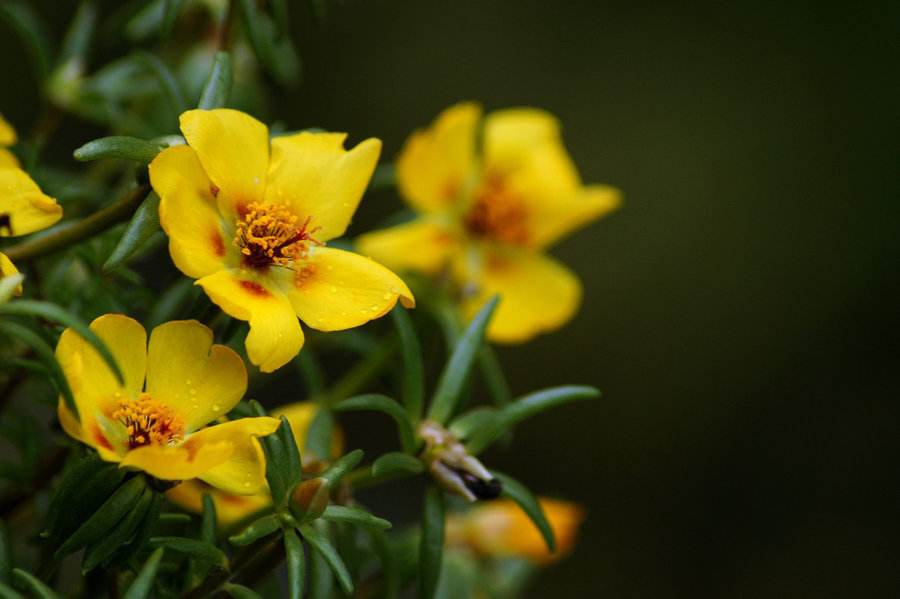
(251, 222)
(156, 421)
(24, 208)
(488, 213)
(501, 529)
(232, 508)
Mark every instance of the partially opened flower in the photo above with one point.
(232, 508)
(252, 225)
(501, 529)
(488, 213)
(157, 420)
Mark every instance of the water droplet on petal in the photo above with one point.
(216, 408)
(386, 296)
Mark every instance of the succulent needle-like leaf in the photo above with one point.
(118, 146)
(319, 542)
(217, 89)
(431, 544)
(296, 564)
(143, 583)
(353, 515)
(382, 403)
(142, 226)
(413, 380)
(519, 493)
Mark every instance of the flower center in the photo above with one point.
(271, 234)
(497, 213)
(149, 422)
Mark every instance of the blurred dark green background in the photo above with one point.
(740, 311)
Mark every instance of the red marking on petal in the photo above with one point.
(100, 439)
(214, 189)
(232, 499)
(217, 243)
(255, 288)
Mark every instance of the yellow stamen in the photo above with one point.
(498, 214)
(149, 422)
(271, 234)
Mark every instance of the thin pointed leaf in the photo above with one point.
(340, 513)
(431, 544)
(194, 548)
(341, 467)
(7, 592)
(493, 376)
(143, 225)
(413, 380)
(78, 38)
(321, 580)
(292, 453)
(43, 351)
(256, 530)
(239, 591)
(143, 583)
(318, 436)
(296, 564)
(519, 493)
(320, 544)
(456, 373)
(38, 589)
(390, 568)
(171, 8)
(395, 463)
(310, 372)
(525, 407)
(208, 523)
(383, 403)
(27, 24)
(10, 285)
(466, 425)
(54, 313)
(84, 486)
(218, 87)
(118, 146)
(280, 15)
(123, 532)
(106, 516)
(167, 81)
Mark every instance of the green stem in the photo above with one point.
(99, 221)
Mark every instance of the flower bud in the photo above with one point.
(453, 468)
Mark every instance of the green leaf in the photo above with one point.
(208, 523)
(171, 8)
(54, 313)
(318, 436)
(200, 550)
(118, 146)
(43, 351)
(143, 583)
(525, 407)
(239, 591)
(85, 484)
(143, 225)
(493, 376)
(106, 516)
(145, 529)
(275, 53)
(9, 284)
(321, 581)
(310, 372)
(519, 493)
(395, 463)
(27, 24)
(413, 381)
(339, 513)
(37, 588)
(280, 15)
(167, 81)
(390, 568)
(78, 38)
(218, 87)
(123, 532)
(383, 403)
(256, 530)
(465, 425)
(283, 465)
(318, 541)
(431, 544)
(296, 564)
(341, 467)
(6, 563)
(456, 373)
(174, 518)
(7, 592)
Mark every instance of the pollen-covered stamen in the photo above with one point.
(271, 234)
(149, 422)
(498, 213)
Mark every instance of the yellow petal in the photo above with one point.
(8, 159)
(510, 136)
(25, 204)
(188, 213)
(244, 473)
(93, 384)
(537, 293)
(422, 245)
(186, 461)
(300, 416)
(7, 269)
(7, 133)
(437, 164)
(336, 290)
(319, 179)
(185, 371)
(234, 150)
(230, 508)
(275, 335)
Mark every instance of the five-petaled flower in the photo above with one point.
(157, 420)
(488, 213)
(234, 508)
(501, 529)
(251, 225)
(24, 208)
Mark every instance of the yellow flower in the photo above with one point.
(7, 138)
(232, 508)
(488, 214)
(160, 427)
(501, 529)
(251, 226)
(8, 269)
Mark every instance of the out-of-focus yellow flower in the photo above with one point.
(251, 226)
(231, 508)
(501, 529)
(488, 214)
(8, 269)
(7, 138)
(160, 427)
